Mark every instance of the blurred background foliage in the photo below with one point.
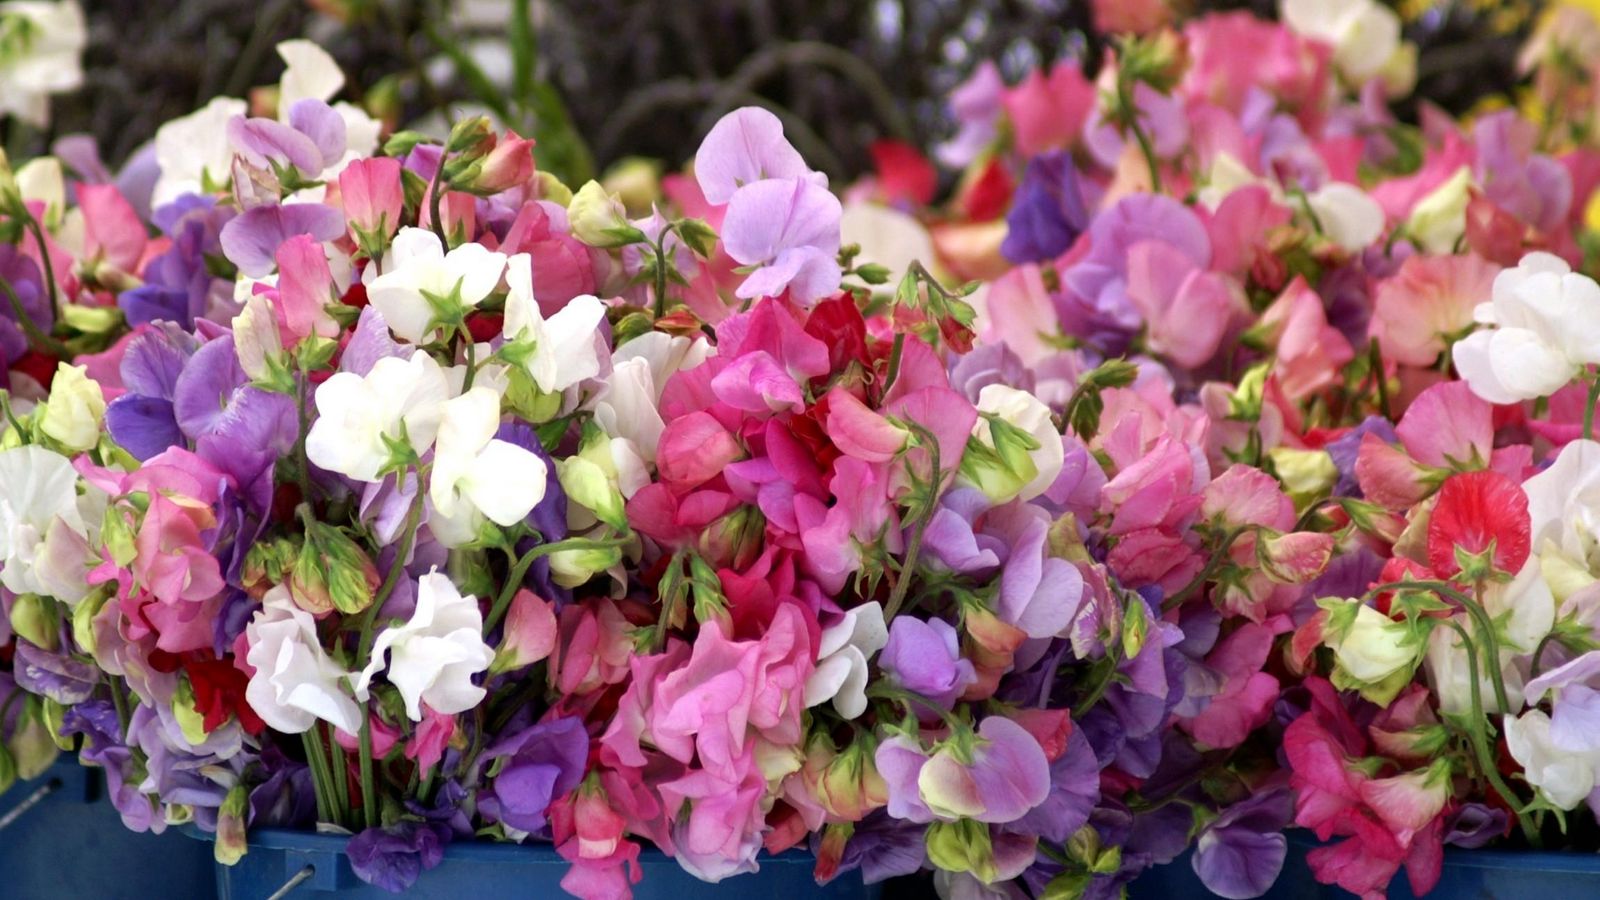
(648, 77)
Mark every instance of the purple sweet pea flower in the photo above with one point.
(1347, 447)
(924, 657)
(542, 764)
(287, 798)
(97, 721)
(1161, 116)
(23, 275)
(313, 139)
(1474, 825)
(881, 846)
(142, 420)
(1049, 211)
(789, 227)
(182, 773)
(178, 285)
(986, 364)
(237, 427)
(394, 857)
(1531, 186)
(251, 240)
(1074, 791)
(369, 342)
(1240, 854)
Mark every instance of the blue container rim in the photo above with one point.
(494, 852)
(1575, 861)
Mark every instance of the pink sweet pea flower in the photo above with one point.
(433, 734)
(1448, 426)
(1048, 112)
(305, 288)
(1430, 298)
(508, 165)
(1017, 311)
(373, 201)
(112, 229)
(744, 147)
(790, 229)
(1186, 308)
(1245, 702)
(1310, 352)
(721, 834)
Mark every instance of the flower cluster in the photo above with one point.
(1217, 457)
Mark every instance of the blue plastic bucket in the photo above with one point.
(1476, 874)
(62, 838)
(276, 858)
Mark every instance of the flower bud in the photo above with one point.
(75, 410)
(587, 485)
(31, 745)
(1294, 558)
(598, 219)
(231, 843)
(530, 633)
(636, 182)
(506, 166)
(332, 572)
(33, 618)
(471, 136)
(850, 787)
(963, 846)
(570, 568)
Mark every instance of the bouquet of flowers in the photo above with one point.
(357, 480)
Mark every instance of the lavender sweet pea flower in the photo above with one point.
(312, 140)
(1575, 711)
(1095, 303)
(975, 103)
(237, 427)
(1474, 825)
(542, 764)
(251, 240)
(178, 285)
(370, 342)
(103, 746)
(394, 857)
(789, 227)
(1347, 447)
(924, 657)
(1531, 186)
(183, 774)
(287, 798)
(1240, 854)
(986, 364)
(1049, 211)
(26, 282)
(54, 675)
(744, 147)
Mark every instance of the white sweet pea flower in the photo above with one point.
(475, 474)
(398, 400)
(626, 407)
(419, 277)
(1364, 34)
(1438, 220)
(1347, 215)
(311, 74)
(295, 681)
(1029, 414)
(38, 494)
(842, 657)
(1374, 647)
(1565, 777)
(1547, 328)
(886, 236)
(193, 151)
(563, 346)
(40, 45)
(255, 336)
(433, 656)
(1450, 673)
(1564, 514)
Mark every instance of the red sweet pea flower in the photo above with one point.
(219, 693)
(903, 172)
(1480, 514)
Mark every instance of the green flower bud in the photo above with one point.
(34, 618)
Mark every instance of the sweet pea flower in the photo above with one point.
(476, 474)
(557, 352)
(996, 778)
(1427, 302)
(1439, 219)
(38, 495)
(842, 657)
(370, 192)
(421, 282)
(1346, 215)
(1364, 34)
(1026, 414)
(1564, 777)
(1310, 351)
(193, 151)
(294, 682)
(541, 764)
(251, 239)
(744, 147)
(75, 410)
(789, 229)
(975, 104)
(45, 61)
(432, 657)
(1373, 647)
(923, 657)
(1546, 329)
(1564, 517)
(398, 399)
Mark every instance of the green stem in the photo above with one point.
(434, 217)
(1211, 566)
(661, 269)
(1125, 101)
(520, 571)
(304, 480)
(319, 774)
(902, 583)
(1375, 360)
(911, 700)
(1480, 742)
(1588, 408)
(396, 570)
(1113, 651)
(472, 361)
(44, 261)
(41, 341)
(894, 362)
(369, 797)
(1480, 618)
(341, 777)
